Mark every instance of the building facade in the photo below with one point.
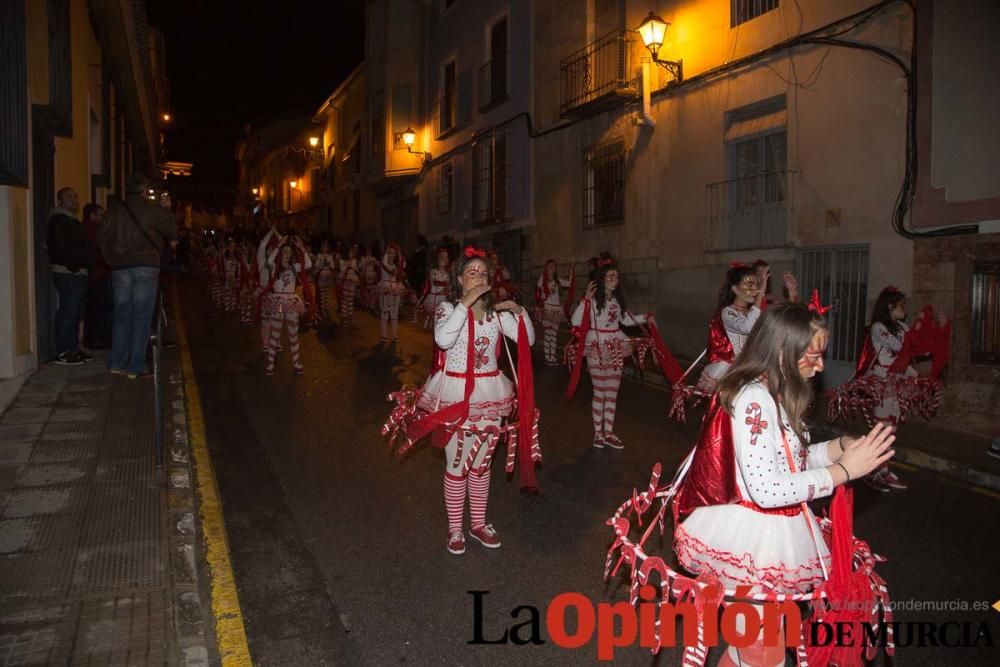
(78, 108)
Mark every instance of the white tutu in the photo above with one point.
(492, 396)
(745, 547)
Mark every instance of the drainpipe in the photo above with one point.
(646, 118)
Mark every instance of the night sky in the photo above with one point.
(232, 61)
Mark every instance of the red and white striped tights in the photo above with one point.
(292, 318)
(606, 379)
(347, 301)
(457, 485)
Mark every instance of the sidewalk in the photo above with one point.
(98, 550)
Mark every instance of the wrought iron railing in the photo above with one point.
(493, 81)
(445, 109)
(598, 71)
(751, 212)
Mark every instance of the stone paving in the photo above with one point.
(97, 546)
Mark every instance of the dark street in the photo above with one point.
(338, 547)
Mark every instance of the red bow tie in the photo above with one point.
(472, 252)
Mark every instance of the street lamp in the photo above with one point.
(166, 118)
(293, 184)
(255, 191)
(314, 141)
(652, 30)
(409, 137)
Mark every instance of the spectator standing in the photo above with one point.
(135, 234)
(71, 255)
(97, 313)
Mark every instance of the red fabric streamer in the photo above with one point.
(668, 363)
(711, 480)
(452, 415)
(720, 348)
(526, 406)
(581, 336)
(925, 338)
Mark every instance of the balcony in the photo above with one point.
(445, 109)
(493, 82)
(598, 76)
(751, 212)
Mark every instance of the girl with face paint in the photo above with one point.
(552, 314)
(267, 245)
(744, 517)
(230, 280)
(325, 270)
(436, 286)
(286, 265)
(390, 291)
(740, 302)
(470, 328)
(606, 346)
(350, 278)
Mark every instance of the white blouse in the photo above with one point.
(451, 333)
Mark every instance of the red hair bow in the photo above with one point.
(738, 265)
(472, 252)
(816, 305)
(601, 263)
(891, 289)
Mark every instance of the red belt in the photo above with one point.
(453, 374)
(791, 510)
(607, 330)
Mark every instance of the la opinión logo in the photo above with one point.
(614, 625)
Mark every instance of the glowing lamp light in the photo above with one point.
(293, 184)
(314, 141)
(652, 29)
(255, 191)
(166, 118)
(409, 136)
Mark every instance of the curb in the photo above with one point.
(962, 471)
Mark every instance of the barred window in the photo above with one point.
(445, 188)
(490, 185)
(741, 11)
(604, 185)
(446, 104)
(986, 313)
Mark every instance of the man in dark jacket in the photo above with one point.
(132, 239)
(71, 254)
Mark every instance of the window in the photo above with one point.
(14, 93)
(446, 103)
(986, 313)
(493, 75)
(756, 147)
(604, 185)
(490, 185)
(445, 188)
(741, 11)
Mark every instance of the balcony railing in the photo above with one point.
(751, 212)
(445, 109)
(598, 76)
(493, 82)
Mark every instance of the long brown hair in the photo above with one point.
(456, 287)
(771, 354)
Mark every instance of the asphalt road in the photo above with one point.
(339, 547)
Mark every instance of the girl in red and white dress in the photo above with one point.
(370, 274)
(350, 278)
(267, 245)
(231, 277)
(471, 328)
(287, 266)
(601, 314)
(391, 288)
(214, 261)
(436, 286)
(743, 501)
(503, 288)
(553, 310)
(248, 283)
(326, 269)
(740, 301)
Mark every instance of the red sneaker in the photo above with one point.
(456, 543)
(876, 482)
(613, 441)
(599, 440)
(486, 536)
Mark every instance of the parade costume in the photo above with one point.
(248, 286)
(468, 406)
(216, 274)
(231, 280)
(503, 288)
(267, 245)
(552, 312)
(391, 288)
(286, 306)
(435, 293)
(326, 270)
(744, 533)
(350, 278)
(370, 275)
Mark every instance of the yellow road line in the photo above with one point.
(229, 631)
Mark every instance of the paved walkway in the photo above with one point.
(97, 552)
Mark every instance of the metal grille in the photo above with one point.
(445, 111)
(604, 185)
(490, 185)
(751, 212)
(741, 11)
(598, 70)
(508, 248)
(445, 188)
(841, 277)
(493, 81)
(986, 313)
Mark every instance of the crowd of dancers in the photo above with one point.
(740, 496)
